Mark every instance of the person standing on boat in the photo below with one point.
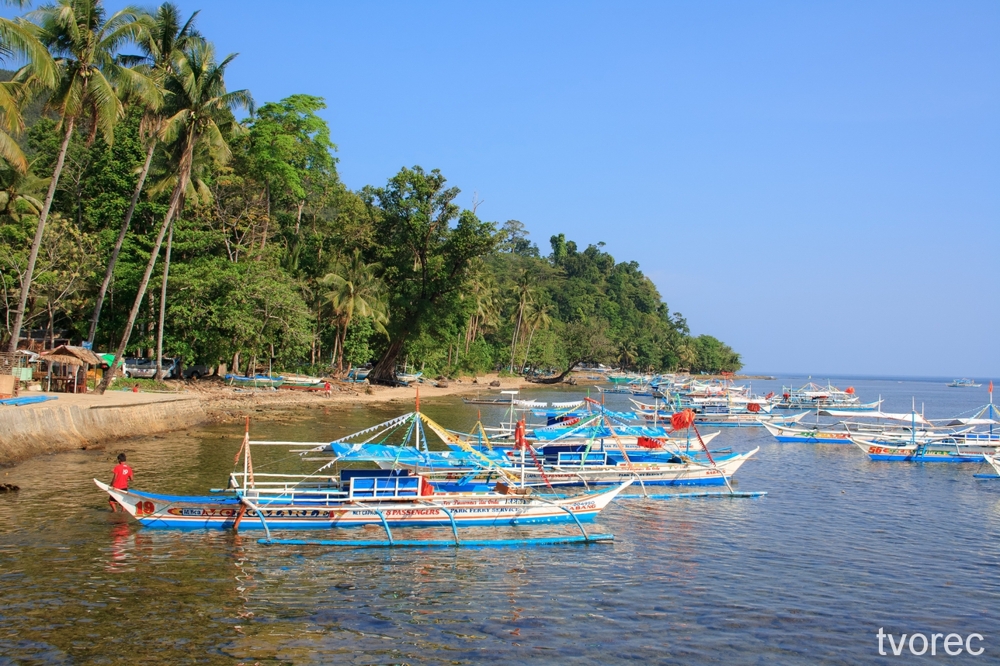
(122, 475)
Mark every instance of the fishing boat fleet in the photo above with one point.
(565, 465)
(559, 462)
(902, 436)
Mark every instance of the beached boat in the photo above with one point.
(301, 381)
(963, 383)
(257, 381)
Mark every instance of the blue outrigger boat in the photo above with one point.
(362, 497)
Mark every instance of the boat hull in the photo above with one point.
(201, 513)
(934, 452)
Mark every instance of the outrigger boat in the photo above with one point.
(354, 498)
(960, 444)
(842, 431)
(950, 449)
(994, 462)
(301, 382)
(257, 381)
(724, 414)
(814, 396)
(963, 383)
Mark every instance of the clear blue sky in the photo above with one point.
(817, 184)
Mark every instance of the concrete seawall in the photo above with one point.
(57, 426)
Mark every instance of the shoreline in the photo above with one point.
(91, 421)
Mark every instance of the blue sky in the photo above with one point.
(814, 183)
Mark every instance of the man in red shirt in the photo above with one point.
(122, 475)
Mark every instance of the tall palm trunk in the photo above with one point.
(163, 306)
(513, 340)
(528, 350)
(175, 199)
(342, 333)
(37, 242)
(118, 244)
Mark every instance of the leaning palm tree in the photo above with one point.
(198, 93)
(197, 190)
(162, 44)
(539, 317)
(89, 80)
(355, 290)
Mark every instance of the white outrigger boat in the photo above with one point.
(713, 413)
(814, 396)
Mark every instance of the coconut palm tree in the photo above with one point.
(89, 81)
(197, 190)
(17, 39)
(20, 192)
(525, 296)
(197, 89)
(483, 292)
(355, 290)
(539, 317)
(161, 46)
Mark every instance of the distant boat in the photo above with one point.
(964, 383)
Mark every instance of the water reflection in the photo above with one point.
(804, 575)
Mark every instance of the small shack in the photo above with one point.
(67, 368)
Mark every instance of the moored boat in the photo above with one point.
(257, 381)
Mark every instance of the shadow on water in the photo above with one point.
(840, 547)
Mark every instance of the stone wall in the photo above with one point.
(51, 428)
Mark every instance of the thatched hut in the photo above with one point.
(68, 367)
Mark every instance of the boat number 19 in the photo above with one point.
(144, 508)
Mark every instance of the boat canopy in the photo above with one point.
(890, 416)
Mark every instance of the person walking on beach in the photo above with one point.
(327, 389)
(122, 475)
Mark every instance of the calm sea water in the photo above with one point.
(808, 574)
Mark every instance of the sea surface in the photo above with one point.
(839, 548)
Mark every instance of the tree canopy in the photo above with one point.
(271, 255)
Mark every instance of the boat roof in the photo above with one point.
(891, 416)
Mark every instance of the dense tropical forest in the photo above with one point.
(149, 210)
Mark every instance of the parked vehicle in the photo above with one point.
(146, 368)
(196, 371)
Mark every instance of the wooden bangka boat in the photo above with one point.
(366, 497)
(257, 381)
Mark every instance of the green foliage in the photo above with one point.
(272, 255)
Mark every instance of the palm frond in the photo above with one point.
(11, 152)
(107, 108)
(18, 37)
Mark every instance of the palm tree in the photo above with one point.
(197, 190)
(161, 44)
(525, 295)
(20, 192)
(355, 291)
(89, 80)
(626, 355)
(483, 292)
(17, 39)
(539, 317)
(198, 93)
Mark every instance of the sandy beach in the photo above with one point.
(75, 421)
